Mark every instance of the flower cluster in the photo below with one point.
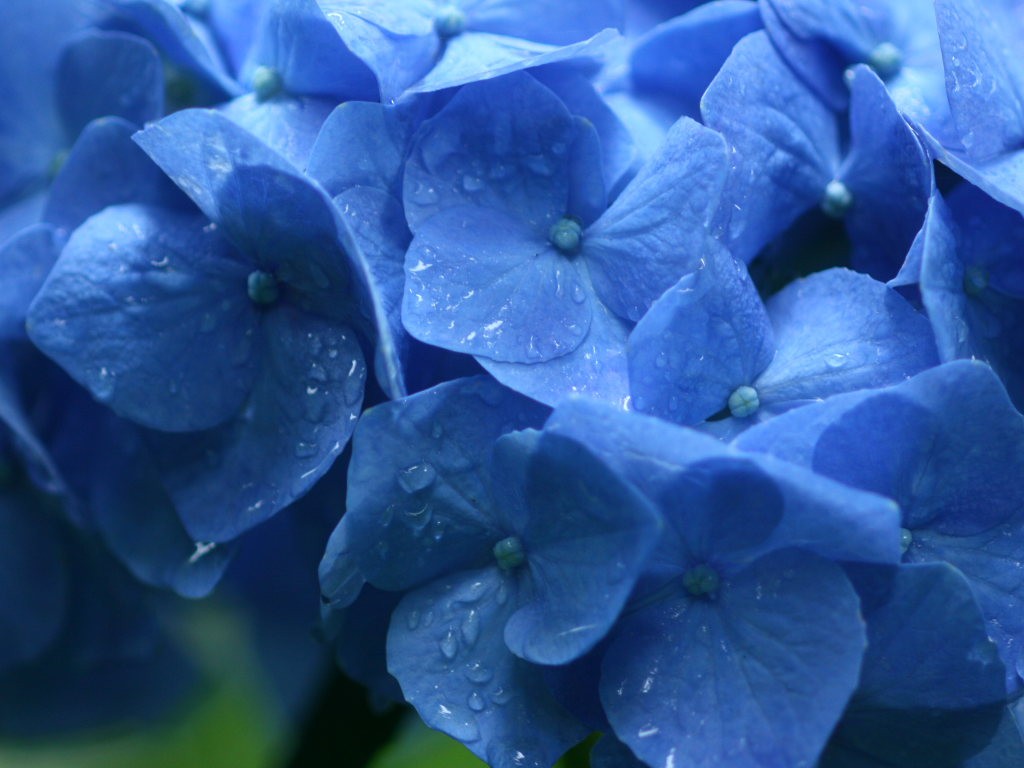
(691, 335)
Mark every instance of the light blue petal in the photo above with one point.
(474, 56)
(556, 24)
(25, 261)
(705, 337)
(481, 282)
(445, 647)
(588, 197)
(286, 124)
(656, 230)
(984, 76)
(134, 289)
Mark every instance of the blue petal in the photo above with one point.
(445, 647)
(819, 514)
(21, 214)
(286, 124)
(297, 40)
(25, 261)
(952, 703)
(619, 151)
(32, 37)
(984, 77)
(837, 331)
(540, 20)
(105, 167)
(481, 282)
(474, 56)
(134, 289)
(1001, 177)
(419, 501)
(361, 144)
(587, 195)
(586, 539)
(681, 57)
(297, 419)
(786, 144)
(657, 228)
(105, 74)
(727, 681)
(395, 40)
(185, 43)
(360, 641)
(708, 335)
(971, 286)
(889, 176)
(377, 223)
(501, 145)
(595, 369)
(133, 513)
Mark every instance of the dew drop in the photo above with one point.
(835, 361)
(437, 431)
(412, 621)
(304, 450)
(449, 645)
(417, 477)
(471, 628)
(578, 294)
(472, 183)
(476, 702)
(478, 673)
(501, 696)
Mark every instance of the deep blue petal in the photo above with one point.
(503, 145)
(889, 176)
(481, 282)
(446, 649)
(185, 42)
(656, 230)
(105, 167)
(757, 677)
(950, 707)
(25, 261)
(786, 144)
(419, 501)
(377, 223)
(134, 289)
(297, 418)
(586, 540)
(706, 336)
(103, 74)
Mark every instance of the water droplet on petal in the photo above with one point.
(835, 361)
(476, 702)
(478, 673)
(471, 627)
(413, 619)
(417, 477)
(449, 644)
(305, 450)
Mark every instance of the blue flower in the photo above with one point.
(515, 257)
(946, 446)
(709, 346)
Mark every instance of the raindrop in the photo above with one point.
(449, 644)
(478, 673)
(471, 627)
(472, 183)
(304, 450)
(417, 477)
(501, 696)
(835, 361)
(437, 430)
(578, 294)
(413, 619)
(476, 702)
